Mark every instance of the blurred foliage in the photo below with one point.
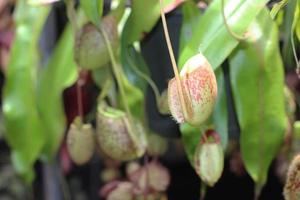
(32, 104)
(287, 51)
(23, 124)
(61, 72)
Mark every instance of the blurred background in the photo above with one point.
(62, 179)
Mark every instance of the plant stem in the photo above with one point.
(257, 192)
(173, 61)
(117, 72)
(233, 34)
(202, 191)
(71, 13)
(295, 53)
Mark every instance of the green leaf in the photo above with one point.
(296, 21)
(93, 10)
(190, 16)
(134, 64)
(220, 114)
(277, 7)
(286, 27)
(24, 131)
(118, 11)
(143, 17)
(296, 17)
(212, 38)
(257, 80)
(296, 129)
(60, 72)
(298, 30)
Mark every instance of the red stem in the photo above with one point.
(79, 96)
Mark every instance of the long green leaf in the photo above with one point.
(93, 10)
(286, 28)
(257, 80)
(23, 124)
(61, 72)
(132, 61)
(296, 21)
(294, 30)
(212, 37)
(298, 30)
(143, 17)
(190, 16)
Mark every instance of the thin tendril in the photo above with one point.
(295, 53)
(117, 72)
(174, 65)
(233, 34)
(146, 78)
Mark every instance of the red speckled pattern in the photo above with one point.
(200, 90)
(174, 102)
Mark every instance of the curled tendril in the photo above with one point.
(146, 78)
(233, 34)
(295, 53)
